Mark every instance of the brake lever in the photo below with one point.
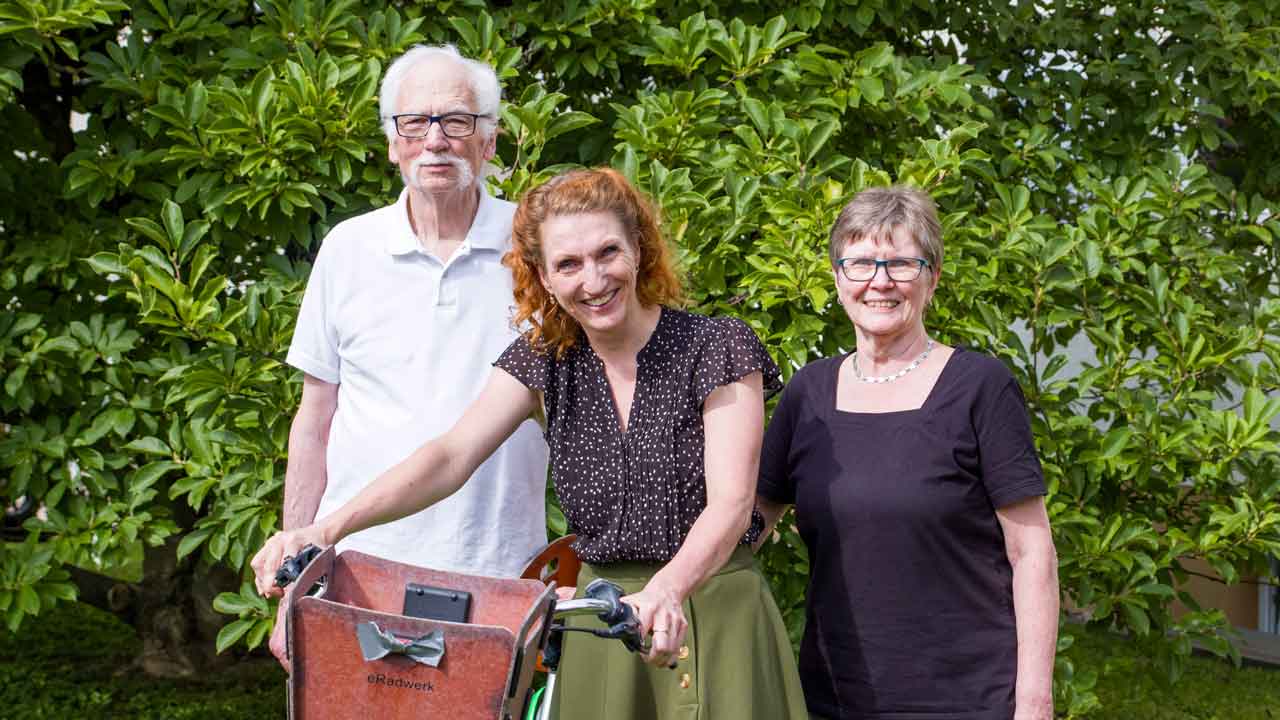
(627, 631)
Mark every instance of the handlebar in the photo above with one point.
(601, 598)
(604, 599)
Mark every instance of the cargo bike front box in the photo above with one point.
(483, 668)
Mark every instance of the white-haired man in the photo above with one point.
(404, 310)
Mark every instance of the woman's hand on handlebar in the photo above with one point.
(282, 545)
(662, 621)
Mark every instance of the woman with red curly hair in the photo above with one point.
(654, 418)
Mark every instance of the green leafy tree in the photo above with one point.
(1103, 171)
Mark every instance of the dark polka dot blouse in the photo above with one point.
(634, 495)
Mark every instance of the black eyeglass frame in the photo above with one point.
(439, 120)
(846, 264)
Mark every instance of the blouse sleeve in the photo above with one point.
(732, 353)
(775, 482)
(1006, 449)
(525, 364)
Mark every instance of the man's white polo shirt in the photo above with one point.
(409, 341)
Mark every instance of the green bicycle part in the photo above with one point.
(531, 712)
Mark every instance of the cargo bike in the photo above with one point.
(375, 639)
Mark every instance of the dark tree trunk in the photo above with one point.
(47, 93)
(172, 610)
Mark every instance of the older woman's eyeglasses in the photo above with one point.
(453, 125)
(902, 269)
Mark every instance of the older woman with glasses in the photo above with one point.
(933, 578)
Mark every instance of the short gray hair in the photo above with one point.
(877, 211)
(481, 78)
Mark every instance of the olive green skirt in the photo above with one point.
(739, 664)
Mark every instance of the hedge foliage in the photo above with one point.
(1105, 173)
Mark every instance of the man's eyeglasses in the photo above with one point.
(453, 125)
(903, 269)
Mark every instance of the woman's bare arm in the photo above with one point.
(1029, 545)
(733, 418)
(433, 472)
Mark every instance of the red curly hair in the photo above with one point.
(572, 193)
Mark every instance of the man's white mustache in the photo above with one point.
(433, 158)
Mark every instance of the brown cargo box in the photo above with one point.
(487, 664)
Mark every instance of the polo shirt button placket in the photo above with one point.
(446, 289)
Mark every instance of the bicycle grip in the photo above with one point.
(293, 565)
(601, 589)
(620, 617)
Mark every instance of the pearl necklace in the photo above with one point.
(857, 372)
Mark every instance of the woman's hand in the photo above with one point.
(282, 545)
(661, 616)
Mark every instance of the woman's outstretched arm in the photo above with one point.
(433, 472)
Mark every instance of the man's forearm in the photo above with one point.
(306, 474)
(304, 482)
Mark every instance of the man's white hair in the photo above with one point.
(481, 78)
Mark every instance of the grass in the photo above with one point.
(1210, 689)
(73, 662)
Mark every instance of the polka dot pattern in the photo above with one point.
(634, 495)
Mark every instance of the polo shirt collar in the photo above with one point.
(490, 229)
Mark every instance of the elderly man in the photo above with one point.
(404, 311)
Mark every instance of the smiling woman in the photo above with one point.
(591, 269)
(653, 417)
(574, 215)
(923, 452)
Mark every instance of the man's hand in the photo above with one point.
(277, 644)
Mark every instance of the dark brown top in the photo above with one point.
(909, 610)
(634, 495)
